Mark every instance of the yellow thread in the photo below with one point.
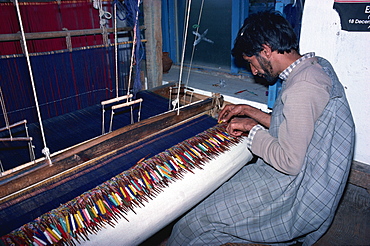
(102, 206)
(57, 234)
(146, 183)
(210, 143)
(77, 221)
(122, 192)
(114, 195)
(132, 188)
(79, 214)
(95, 212)
(52, 233)
(67, 223)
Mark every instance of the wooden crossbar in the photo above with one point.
(16, 139)
(127, 104)
(13, 125)
(116, 99)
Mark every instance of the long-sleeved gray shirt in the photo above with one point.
(305, 96)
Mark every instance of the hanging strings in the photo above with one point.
(45, 150)
(131, 7)
(4, 112)
(183, 54)
(134, 50)
(192, 53)
(116, 47)
(103, 15)
(129, 11)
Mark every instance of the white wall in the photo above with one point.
(349, 53)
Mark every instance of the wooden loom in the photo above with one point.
(154, 208)
(156, 200)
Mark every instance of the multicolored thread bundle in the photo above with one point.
(106, 203)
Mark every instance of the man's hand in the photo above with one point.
(238, 126)
(232, 110)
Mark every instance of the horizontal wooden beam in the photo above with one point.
(15, 139)
(60, 34)
(13, 125)
(67, 50)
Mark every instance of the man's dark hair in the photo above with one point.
(269, 28)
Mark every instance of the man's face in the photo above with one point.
(268, 72)
(262, 67)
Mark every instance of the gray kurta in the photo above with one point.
(263, 205)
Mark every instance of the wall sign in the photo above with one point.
(354, 15)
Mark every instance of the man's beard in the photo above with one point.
(267, 68)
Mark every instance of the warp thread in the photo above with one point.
(106, 203)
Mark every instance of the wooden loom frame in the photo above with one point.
(41, 174)
(22, 182)
(37, 175)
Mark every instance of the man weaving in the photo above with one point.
(304, 149)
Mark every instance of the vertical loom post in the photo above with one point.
(45, 150)
(153, 33)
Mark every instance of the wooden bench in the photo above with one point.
(351, 225)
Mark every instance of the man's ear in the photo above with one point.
(266, 52)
